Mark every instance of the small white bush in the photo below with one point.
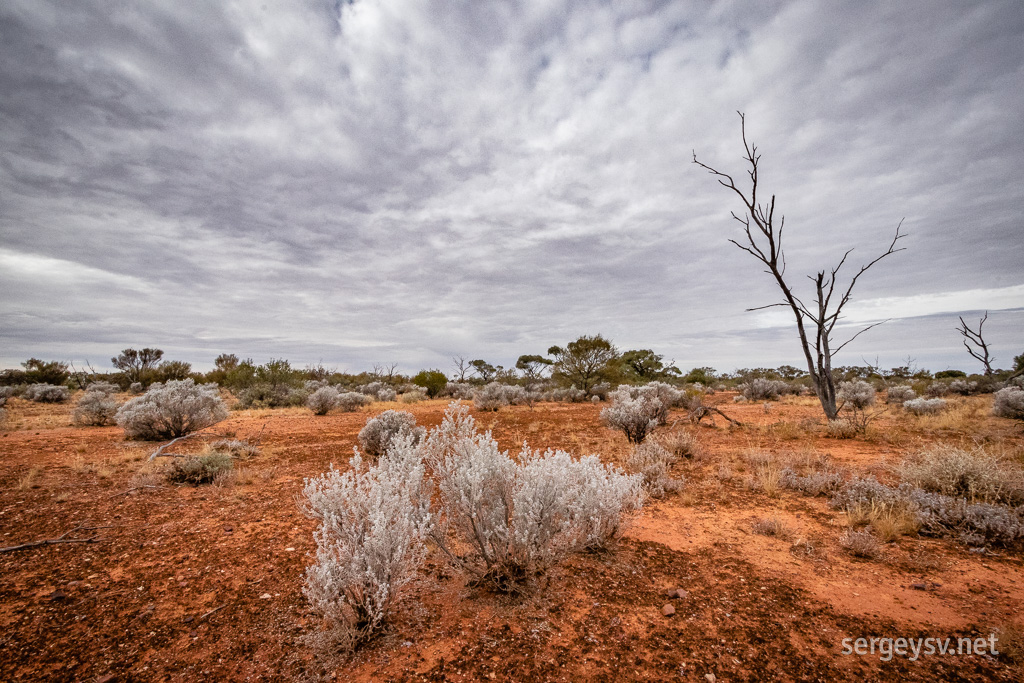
(459, 390)
(635, 413)
(519, 517)
(380, 431)
(351, 401)
(899, 394)
(104, 387)
(46, 393)
(171, 410)
(414, 396)
(857, 394)
(1009, 402)
(761, 389)
(936, 389)
(136, 387)
(374, 523)
(323, 400)
(976, 474)
(378, 391)
(95, 408)
(495, 396)
(925, 406)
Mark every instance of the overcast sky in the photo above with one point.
(391, 181)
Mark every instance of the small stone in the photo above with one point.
(109, 678)
(188, 619)
(710, 678)
(668, 610)
(265, 596)
(58, 595)
(289, 550)
(680, 593)
(919, 586)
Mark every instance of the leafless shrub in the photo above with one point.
(1009, 402)
(653, 462)
(323, 400)
(772, 526)
(171, 410)
(199, 469)
(899, 395)
(236, 448)
(380, 431)
(861, 543)
(925, 406)
(46, 393)
(95, 408)
(374, 523)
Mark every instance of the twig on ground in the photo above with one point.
(215, 609)
(60, 539)
(136, 488)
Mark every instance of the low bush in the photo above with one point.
(771, 526)
(236, 448)
(861, 543)
(963, 387)
(103, 387)
(636, 414)
(813, 484)
(136, 387)
(761, 389)
(462, 391)
(682, 444)
(842, 429)
(1009, 402)
(199, 469)
(266, 395)
(936, 389)
(351, 401)
(413, 396)
(46, 393)
(374, 522)
(857, 394)
(899, 394)
(652, 461)
(380, 431)
(494, 396)
(925, 406)
(976, 474)
(323, 400)
(95, 408)
(167, 411)
(378, 391)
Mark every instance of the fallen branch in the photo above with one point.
(135, 488)
(701, 412)
(60, 539)
(215, 609)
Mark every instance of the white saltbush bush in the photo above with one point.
(633, 411)
(380, 431)
(46, 393)
(374, 522)
(96, 407)
(857, 394)
(351, 401)
(1009, 402)
(925, 406)
(761, 389)
(171, 410)
(323, 400)
(899, 394)
(653, 461)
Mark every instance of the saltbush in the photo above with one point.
(96, 407)
(46, 393)
(323, 400)
(652, 461)
(167, 411)
(761, 389)
(857, 394)
(975, 474)
(199, 469)
(925, 406)
(351, 401)
(899, 394)
(1009, 402)
(381, 430)
(634, 413)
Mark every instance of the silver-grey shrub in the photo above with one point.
(379, 391)
(104, 387)
(857, 394)
(653, 461)
(7, 392)
(323, 400)
(413, 396)
(936, 389)
(378, 433)
(899, 394)
(170, 410)
(517, 517)
(351, 401)
(636, 414)
(963, 387)
(495, 396)
(95, 408)
(925, 406)
(136, 387)
(1009, 402)
(462, 391)
(46, 393)
(374, 523)
(761, 389)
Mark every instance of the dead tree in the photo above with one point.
(975, 343)
(816, 323)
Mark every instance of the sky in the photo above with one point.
(404, 181)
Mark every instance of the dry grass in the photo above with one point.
(861, 544)
(771, 526)
(889, 522)
(29, 481)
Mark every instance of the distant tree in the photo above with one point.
(482, 369)
(644, 365)
(702, 375)
(815, 323)
(583, 362)
(1018, 365)
(277, 372)
(318, 372)
(462, 368)
(950, 374)
(45, 372)
(789, 373)
(173, 370)
(533, 367)
(385, 371)
(975, 344)
(431, 380)
(226, 362)
(134, 364)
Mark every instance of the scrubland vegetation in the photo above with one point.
(510, 524)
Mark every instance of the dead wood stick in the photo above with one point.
(60, 539)
(135, 488)
(215, 609)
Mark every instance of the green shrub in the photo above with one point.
(434, 381)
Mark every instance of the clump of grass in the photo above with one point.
(771, 526)
(861, 543)
(767, 473)
(29, 480)
(842, 429)
(682, 444)
(236, 448)
(199, 469)
(975, 474)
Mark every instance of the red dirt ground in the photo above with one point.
(205, 583)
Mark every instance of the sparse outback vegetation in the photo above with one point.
(167, 411)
